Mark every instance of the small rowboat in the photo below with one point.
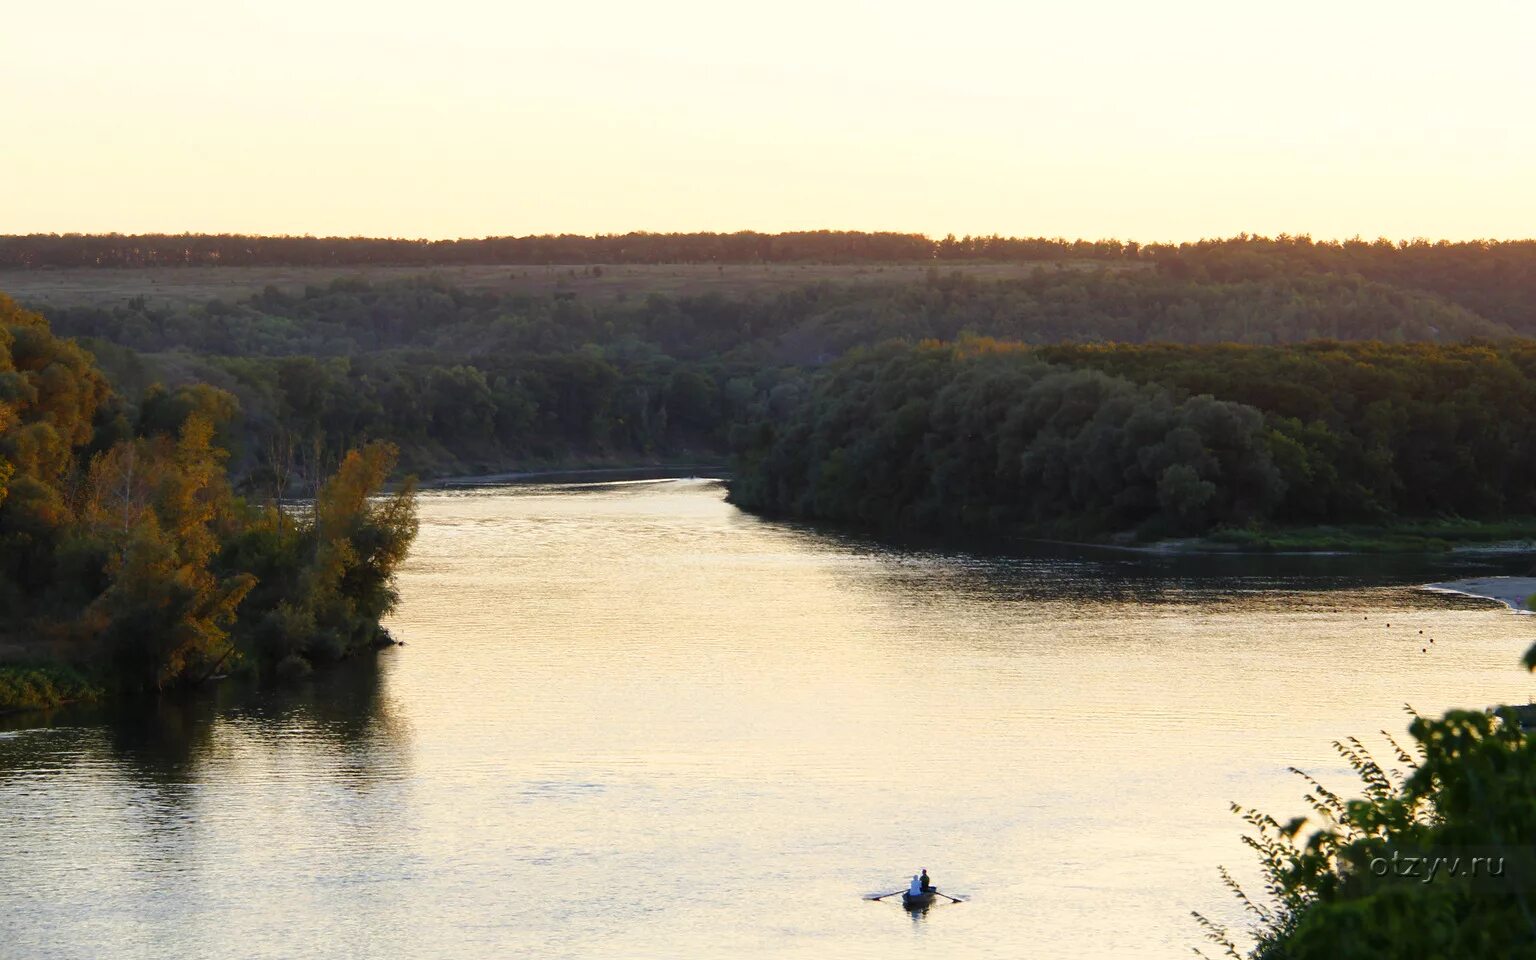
(920, 902)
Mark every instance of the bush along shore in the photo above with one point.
(1325, 445)
(127, 562)
(25, 687)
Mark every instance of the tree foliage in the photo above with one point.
(1432, 860)
(1496, 280)
(1157, 439)
(124, 549)
(985, 434)
(463, 380)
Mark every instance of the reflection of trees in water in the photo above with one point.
(183, 806)
(339, 717)
(343, 708)
(1044, 572)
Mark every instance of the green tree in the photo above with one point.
(1344, 892)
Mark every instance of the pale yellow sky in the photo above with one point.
(1153, 121)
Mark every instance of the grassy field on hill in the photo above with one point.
(186, 286)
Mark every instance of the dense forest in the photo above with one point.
(805, 325)
(472, 381)
(126, 556)
(1219, 385)
(1158, 439)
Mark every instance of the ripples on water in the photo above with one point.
(631, 721)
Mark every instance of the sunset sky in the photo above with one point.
(1163, 121)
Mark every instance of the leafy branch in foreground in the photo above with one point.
(1433, 860)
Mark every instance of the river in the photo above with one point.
(631, 721)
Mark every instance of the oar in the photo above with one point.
(884, 895)
(948, 897)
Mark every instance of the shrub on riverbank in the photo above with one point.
(324, 581)
(1434, 863)
(41, 687)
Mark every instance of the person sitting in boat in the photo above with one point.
(927, 884)
(916, 890)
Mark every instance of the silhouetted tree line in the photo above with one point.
(1156, 439)
(158, 250)
(123, 548)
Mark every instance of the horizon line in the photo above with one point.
(1302, 238)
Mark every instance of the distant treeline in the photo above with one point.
(827, 246)
(1157, 440)
(463, 380)
(1496, 279)
(112, 250)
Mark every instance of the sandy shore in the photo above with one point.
(1510, 591)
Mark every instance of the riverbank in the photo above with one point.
(583, 474)
(1513, 592)
(1459, 537)
(1511, 536)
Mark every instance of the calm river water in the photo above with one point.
(633, 722)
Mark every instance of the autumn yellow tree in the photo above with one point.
(159, 502)
(124, 551)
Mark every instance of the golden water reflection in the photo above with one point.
(631, 721)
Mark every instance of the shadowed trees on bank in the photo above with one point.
(1156, 439)
(124, 550)
(936, 436)
(323, 583)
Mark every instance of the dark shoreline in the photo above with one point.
(711, 471)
